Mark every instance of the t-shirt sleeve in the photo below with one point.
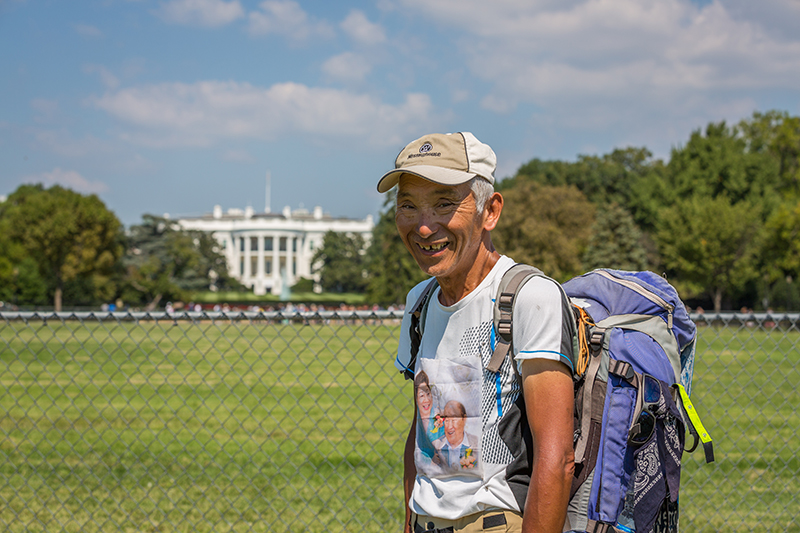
(541, 323)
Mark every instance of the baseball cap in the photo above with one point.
(446, 158)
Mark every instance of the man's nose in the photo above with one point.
(426, 224)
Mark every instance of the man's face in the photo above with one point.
(439, 225)
(454, 424)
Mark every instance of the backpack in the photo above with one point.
(634, 357)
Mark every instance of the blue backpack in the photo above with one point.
(634, 358)
(632, 402)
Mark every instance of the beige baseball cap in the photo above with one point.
(446, 158)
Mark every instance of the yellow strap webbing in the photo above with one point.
(696, 426)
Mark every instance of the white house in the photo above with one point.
(266, 250)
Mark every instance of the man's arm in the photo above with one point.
(547, 386)
(409, 469)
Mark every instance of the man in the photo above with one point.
(446, 210)
(456, 448)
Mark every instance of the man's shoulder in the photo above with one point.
(537, 289)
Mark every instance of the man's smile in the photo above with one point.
(433, 247)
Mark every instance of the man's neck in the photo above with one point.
(455, 288)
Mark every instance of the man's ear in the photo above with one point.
(491, 213)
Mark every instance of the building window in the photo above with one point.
(241, 244)
(311, 245)
(241, 266)
(224, 244)
(294, 268)
(294, 245)
(268, 244)
(268, 267)
(253, 266)
(253, 244)
(282, 264)
(282, 244)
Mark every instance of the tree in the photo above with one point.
(545, 226)
(20, 282)
(776, 134)
(629, 177)
(616, 242)
(70, 236)
(718, 162)
(341, 262)
(392, 270)
(710, 246)
(163, 260)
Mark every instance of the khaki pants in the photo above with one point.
(489, 521)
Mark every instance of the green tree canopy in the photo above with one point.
(616, 242)
(392, 270)
(341, 262)
(165, 261)
(545, 226)
(20, 282)
(776, 134)
(710, 246)
(629, 177)
(70, 237)
(718, 162)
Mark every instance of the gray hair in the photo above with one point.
(482, 190)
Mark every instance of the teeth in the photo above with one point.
(433, 247)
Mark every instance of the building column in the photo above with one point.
(276, 272)
(291, 243)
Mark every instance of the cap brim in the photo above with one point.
(445, 176)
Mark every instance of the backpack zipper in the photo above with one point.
(642, 291)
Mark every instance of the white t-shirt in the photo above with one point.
(456, 346)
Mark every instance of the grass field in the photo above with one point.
(248, 426)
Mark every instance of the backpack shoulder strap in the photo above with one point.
(417, 314)
(514, 278)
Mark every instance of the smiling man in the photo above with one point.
(516, 471)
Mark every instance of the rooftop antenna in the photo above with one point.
(267, 208)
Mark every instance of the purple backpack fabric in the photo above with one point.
(640, 327)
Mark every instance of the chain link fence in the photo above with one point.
(296, 422)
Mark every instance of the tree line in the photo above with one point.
(720, 219)
(58, 246)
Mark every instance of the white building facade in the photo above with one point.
(268, 251)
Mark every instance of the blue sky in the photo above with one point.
(173, 106)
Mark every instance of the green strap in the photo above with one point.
(697, 426)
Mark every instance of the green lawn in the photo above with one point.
(239, 426)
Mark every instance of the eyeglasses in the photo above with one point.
(646, 404)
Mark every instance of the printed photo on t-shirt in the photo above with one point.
(447, 392)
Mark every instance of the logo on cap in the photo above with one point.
(425, 148)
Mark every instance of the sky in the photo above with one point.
(174, 106)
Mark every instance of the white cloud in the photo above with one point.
(109, 80)
(199, 114)
(68, 178)
(46, 107)
(87, 30)
(238, 156)
(287, 18)
(361, 30)
(347, 67)
(587, 52)
(205, 13)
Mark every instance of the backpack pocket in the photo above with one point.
(614, 458)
